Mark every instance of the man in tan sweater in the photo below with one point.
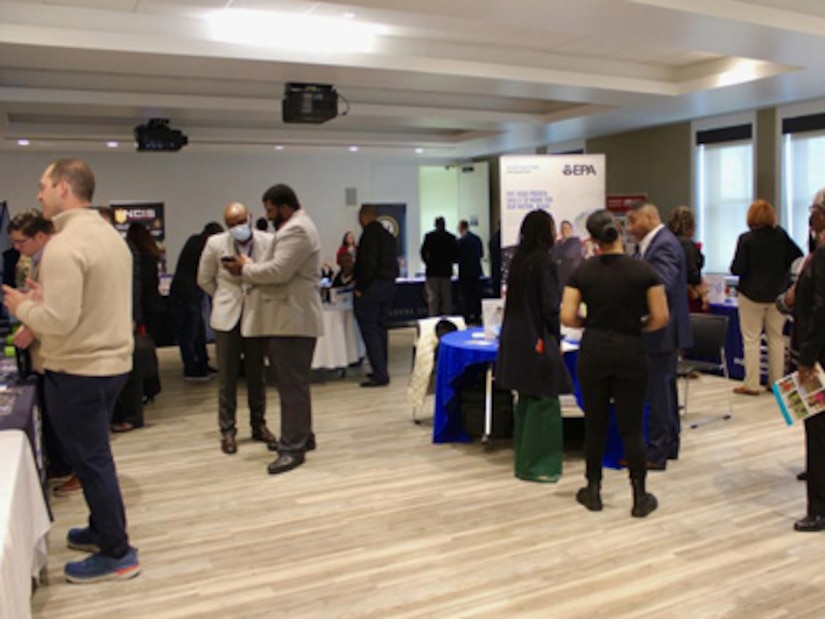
(81, 313)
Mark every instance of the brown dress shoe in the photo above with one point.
(68, 487)
(262, 433)
(745, 391)
(229, 445)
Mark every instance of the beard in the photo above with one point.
(278, 220)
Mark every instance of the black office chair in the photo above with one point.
(707, 354)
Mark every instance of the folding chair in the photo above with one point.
(428, 332)
(707, 354)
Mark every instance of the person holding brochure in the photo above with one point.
(809, 318)
(624, 298)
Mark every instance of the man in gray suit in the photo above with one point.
(237, 330)
(288, 278)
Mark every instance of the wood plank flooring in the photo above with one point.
(381, 523)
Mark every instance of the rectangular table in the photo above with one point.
(24, 523)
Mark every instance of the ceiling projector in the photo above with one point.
(157, 136)
(309, 103)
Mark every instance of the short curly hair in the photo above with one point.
(682, 222)
(761, 214)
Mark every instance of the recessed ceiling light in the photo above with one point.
(349, 15)
(279, 147)
(419, 150)
(23, 142)
(353, 149)
(112, 144)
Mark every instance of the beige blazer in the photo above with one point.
(288, 278)
(232, 300)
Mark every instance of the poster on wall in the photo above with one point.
(619, 205)
(150, 214)
(393, 216)
(569, 187)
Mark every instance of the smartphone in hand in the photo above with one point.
(226, 259)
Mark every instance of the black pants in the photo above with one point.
(230, 346)
(663, 423)
(291, 361)
(613, 367)
(56, 460)
(80, 409)
(815, 464)
(372, 310)
(470, 289)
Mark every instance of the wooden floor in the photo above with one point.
(380, 522)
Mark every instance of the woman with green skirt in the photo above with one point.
(529, 358)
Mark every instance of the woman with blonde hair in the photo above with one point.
(763, 256)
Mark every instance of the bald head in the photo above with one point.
(642, 218)
(235, 214)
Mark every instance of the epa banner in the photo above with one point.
(569, 187)
(150, 214)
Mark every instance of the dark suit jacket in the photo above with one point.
(439, 252)
(470, 252)
(666, 256)
(376, 258)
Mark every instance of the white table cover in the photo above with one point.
(341, 344)
(24, 523)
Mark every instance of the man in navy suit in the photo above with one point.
(661, 249)
(470, 253)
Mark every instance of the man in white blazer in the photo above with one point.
(235, 320)
(288, 279)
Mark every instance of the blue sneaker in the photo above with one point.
(97, 567)
(83, 539)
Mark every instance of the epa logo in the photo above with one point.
(579, 170)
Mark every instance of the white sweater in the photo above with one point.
(84, 321)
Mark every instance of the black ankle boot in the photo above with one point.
(590, 496)
(643, 501)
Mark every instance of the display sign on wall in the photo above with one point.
(150, 214)
(569, 187)
(619, 205)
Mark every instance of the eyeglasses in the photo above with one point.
(19, 242)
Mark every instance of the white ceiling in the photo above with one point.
(458, 78)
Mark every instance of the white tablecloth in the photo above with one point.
(24, 523)
(341, 344)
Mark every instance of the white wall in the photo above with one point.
(196, 187)
(454, 192)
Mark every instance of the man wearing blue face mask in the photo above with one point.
(233, 320)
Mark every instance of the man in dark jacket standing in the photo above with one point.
(439, 251)
(470, 252)
(376, 267)
(186, 298)
(661, 249)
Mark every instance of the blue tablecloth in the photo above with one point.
(458, 351)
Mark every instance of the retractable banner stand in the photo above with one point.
(569, 187)
(150, 214)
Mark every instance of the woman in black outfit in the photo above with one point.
(763, 256)
(152, 307)
(623, 297)
(529, 357)
(809, 324)
(682, 223)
